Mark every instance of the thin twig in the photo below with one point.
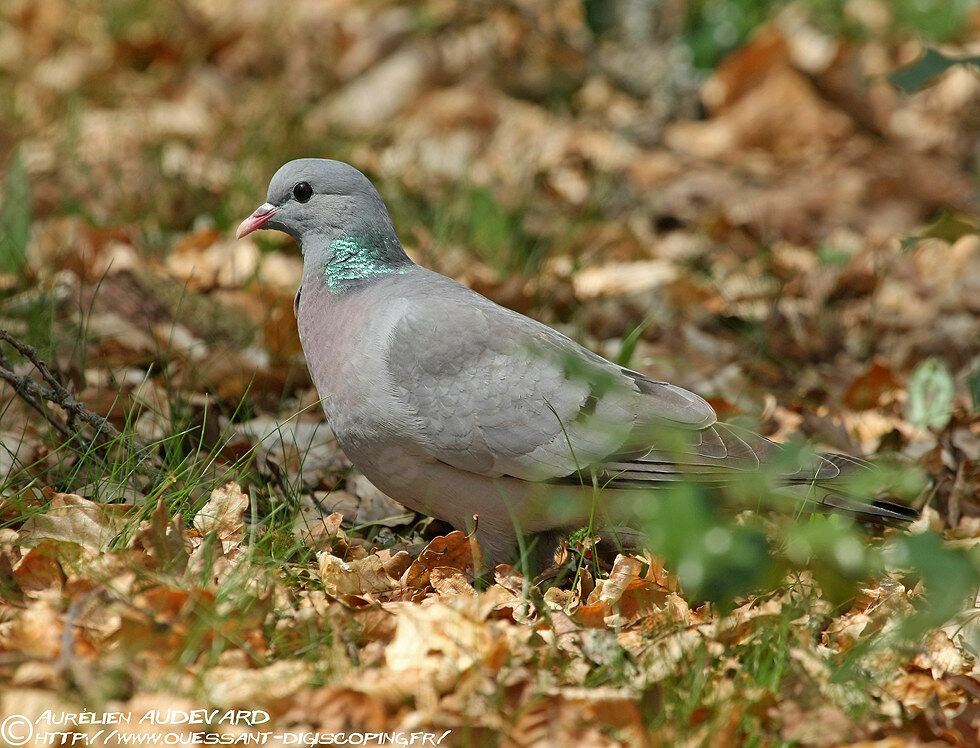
(36, 395)
(56, 391)
(29, 392)
(66, 658)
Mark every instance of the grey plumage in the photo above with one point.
(456, 406)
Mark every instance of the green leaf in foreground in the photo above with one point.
(973, 385)
(930, 403)
(949, 575)
(15, 218)
(950, 227)
(931, 65)
(630, 341)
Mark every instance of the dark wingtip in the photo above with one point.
(898, 512)
(878, 511)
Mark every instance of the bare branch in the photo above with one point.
(53, 391)
(31, 393)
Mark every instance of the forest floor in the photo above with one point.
(795, 237)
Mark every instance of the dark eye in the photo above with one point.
(302, 191)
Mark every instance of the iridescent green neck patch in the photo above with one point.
(354, 258)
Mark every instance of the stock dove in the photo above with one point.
(455, 406)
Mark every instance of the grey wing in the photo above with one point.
(496, 393)
(492, 392)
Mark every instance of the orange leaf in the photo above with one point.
(867, 389)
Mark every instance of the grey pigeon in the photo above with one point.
(455, 406)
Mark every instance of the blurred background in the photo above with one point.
(774, 204)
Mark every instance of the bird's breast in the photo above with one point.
(345, 338)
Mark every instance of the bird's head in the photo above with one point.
(312, 197)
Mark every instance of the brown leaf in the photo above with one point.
(624, 571)
(435, 643)
(449, 581)
(826, 724)
(745, 69)
(279, 329)
(36, 632)
(162, 540)
(321, 533)
(592, 615)
(457, 550)
(38, 571)
(362, 576)
(207, 259)
(230, 687)
(224, 514)
(623, 278)
(626, 595)
(397, 564)
(940, 656)
(509, 578)
(802, 122)
(166, 619)
(916, 691)
(73, 519)
(868, 389)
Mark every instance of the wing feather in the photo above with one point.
(496, 393)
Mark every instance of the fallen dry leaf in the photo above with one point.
(73, 519)
(359, 577)
(796, 248)
(457, 550)
(224, 514)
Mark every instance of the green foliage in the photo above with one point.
(580, 535)
(835, 552)
(599, 15)
(489, 226)
(715, 27)
(973, 386)
(947, 225)
(831, 255)
(720, 559)
(15, 218)
(630, 341)
(930, 403)
(714, 558)
(950, 227)
(928, 67)
(496, 234)
(937, 20)
(949, 575)
(474, 219)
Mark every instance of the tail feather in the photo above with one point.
(724, 454)
(878, 511)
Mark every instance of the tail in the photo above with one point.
(722, 453)
(877, 511)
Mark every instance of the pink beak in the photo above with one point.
(257, 220)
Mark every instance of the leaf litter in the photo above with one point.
(805, 254)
